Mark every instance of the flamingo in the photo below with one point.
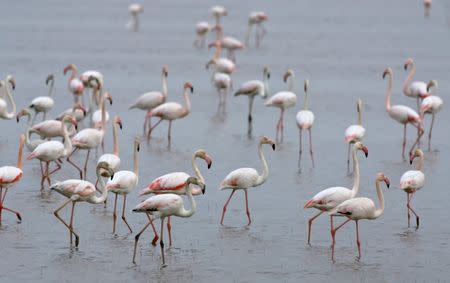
(412, 181)
(222, 65)
(75, 85)
(251, 89)
(123, 182)
(283, 100)
(134, 10)
(10, 175)
(112, 159)
(229, 43)
(80, 191)
(88, 139)
(414, 89)
(91, 73)
(305, 121)
(171, 111)
(330, 198)
(256, 19)
(222, 82)
(218, 12)
(244, 178)
(44, 103)
(354, 133)
(8, 79)
(402, 114)
(431, 105)
(30, 144)
(359, 208)
(97, 115)
(4, 113)
(201, 29)
(51, 128)
(87, 78)
(77, 111)
(162, 206)
(152, 99)
(175, 183)
(427, 7)
(52, 151)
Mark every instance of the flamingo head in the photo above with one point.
(359, 105)
(10, 79)
(50, 78)
(417, 153)
(195, 181)
(387, 72)
(165, 71)
(266, 72)
(306, 87)
(70, 67)
(266, 140)
(21, 113)
(104, 165)
(432, 83)
(210, 62)
(189, 85)
(201, 153)
(408, 62)
(137, 143)
(382, 178)
(362, 147)
(289, 73)
(79, 106)
(108, 96)
(97, 85)
(118, 121)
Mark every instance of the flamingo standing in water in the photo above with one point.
(4, 113)
(354, 133)
(123, 182)
(244, 178)
(10, 175)
(171, 111)
(52, 128)
(75, 85)
(427, 7)
(414, 89)
(134, 10)
(412, 181)
(44, 103)
(201, 29)
(283, 100)
(256, 19)
(402, 114)
(152, 99)
(431, 105)
(175, 183)
(222, 82)
(229, 43)
(218, 12)
(222, 65)
(162, 206)
(251, 89)
(112, 159)
(359, 208)
(80, 191)
(52, 151)
(328, 199)
(305, 121)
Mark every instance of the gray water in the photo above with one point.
(342, 47)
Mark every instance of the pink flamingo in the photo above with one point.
(431, 105)
(218, 12)
(123, 182)
(52, 151)
(222, 65)
(175, 183)
(44, 103)
(251, 89)
(305, 121)
(152, 99)
(4, 113)
(330, 198)
(162, 206)
(223, 83)
(112, 159)
(52, 128)
(10, 175)
(75, 85)
(256, 19)
(244, 178)
(359, 208)
(354, 133)
(412, 181)
(134, 9)
(201, 29)
(414, 89)
(283, 100)
(171, 111)
(402, 114)
(80, 191)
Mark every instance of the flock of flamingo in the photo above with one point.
(167, 190)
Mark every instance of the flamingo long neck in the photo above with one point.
(265, 168)
(359, 115)
(164, 85)
(408, 79)
(305, 106)
(389, 93)
(136, 160)
(266, 85)
(196, 170)
(50, 91)
(99, 198)
(218, 52)
(379, 210)
(188, 212)
(291, 83)
(67, 140)
(10, 115)
(115, 140)
(355, 188)
(103, 105)
(419, 165)
(19, 155)
(187, 109)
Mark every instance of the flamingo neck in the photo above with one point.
(291, 83)
(50, 91)
(20, 154)
(265, 168)
(379, 210)
(408, 79)
(419, 165)
(187, 100)
(356, 177)
(188, 212)
(103, 106)
(198, 174)
(99, 198)
(389, 93)
(10, 115)
(359, 115)
(67, 139)
(266, 86)
(164, 86)
(136, 159)
(305, 106)
(115, 140)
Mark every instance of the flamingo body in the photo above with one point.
(412, 181)
(305, 119)
(48, 151)
(174, 183)
(123, 182)
(329, 198)
(149, 100)
(354, 133)
(282, 99)
(403, 114)
(9, 175)
(42, 103)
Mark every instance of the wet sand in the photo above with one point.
(342, 47)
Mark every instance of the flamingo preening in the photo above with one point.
(330, 198)
(431, 105)
(256, 19)
(414, 89)
(75, 85)
(164, 205)
(10, 175)
(357, 209)
(305, 121)
(354, 133)
(245, 178)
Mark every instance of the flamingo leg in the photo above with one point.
(257, 37)
(71, 225)
(44, 176)
(58, 167)
(311, 147)
(136, 238)
(155, 233)
(281, 125)
(123, 213)
(348, 157)
(412, 210)
(404, 142)
(65, 224)
(1, 204)
(2, 200)
(169, 136)
(86, 164)
(310, 221)
(169, 230)
(358, 242)
(333, 235)
(161, 243)
(145, 122)
(246, 207)
(225, 206)
(250, 118)
(407, 209)
(115, 214)
(419, 127)
(73, 164)
(429, 134)
(300, 150)
(149, 134)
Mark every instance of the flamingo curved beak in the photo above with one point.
(366, 151)
(203, 187)
(208, 160)
(387, 181)
(273, 146)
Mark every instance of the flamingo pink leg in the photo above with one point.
(155, 233)
(74, 165)
(114, 214)
(86, 164)
(300, 150)
(123, 213)
(250, 118)
(407, 209)
(280, 126)
(149, 134)
(311, 147)
(225, 207)
(146, 121)
(348, 157)
(412, 210)
(161, 243)
(358, 242)
(404, 142)
(169, 136)
(136, 238)
(169, 230)
(310, 221)
(429, 134)
(2, 201)
(71, 225)
(246, 207)
(333, 235)
(419, 135)
(65, 224)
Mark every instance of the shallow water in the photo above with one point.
(342, 49)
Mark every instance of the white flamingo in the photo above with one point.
(218, 12)
(222, 82)
(305, 121)
(256, 19)
(4, 113)
(201, 29)
(134, 9)
(30, 144)
(75, 85)
(222, 65)
(354, 133)
(431, 105)
(44, 103)
(414, 89)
